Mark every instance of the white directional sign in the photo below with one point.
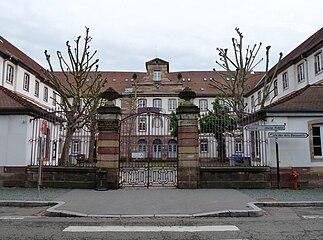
(265, 127)
(287, 135)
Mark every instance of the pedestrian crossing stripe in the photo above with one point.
(217, 228)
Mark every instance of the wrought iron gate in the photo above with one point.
(148, 151)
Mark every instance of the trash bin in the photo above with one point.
(101, 180)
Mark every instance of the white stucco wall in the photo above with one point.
(292, 151)
(13, 140)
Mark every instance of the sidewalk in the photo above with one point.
(160, 202)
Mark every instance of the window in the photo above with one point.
(300, 72)
(259, 97)
(54, 98)
(238, 145)
(172, 148)
(45, 94)
(157, 148)
(142, 124)
(318, 62)
(75, 146)
(142, 103)
(317, 140)
(26, 82)
(252, 103)
(275, 87)
(285, 81)
(203, 146)
(157, 75)
(157, 122)
(203, 104)
(157, 103)
(36, 89)
(142, 146)
(172, 104)
(9, 78)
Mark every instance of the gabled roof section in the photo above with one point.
(9, 51)
(12, 103)
(157, 61)
(306, 100)
(309, 46)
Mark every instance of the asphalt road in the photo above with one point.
(277, 223)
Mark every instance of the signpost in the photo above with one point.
(277, 135)
(287, 135)
(265, 127)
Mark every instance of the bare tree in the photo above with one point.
(237, 71)
(79, 88)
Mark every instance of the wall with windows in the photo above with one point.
(22, 81)
(296, 152)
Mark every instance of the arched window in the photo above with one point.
(172, 148)
(142, 147)
(157, 148)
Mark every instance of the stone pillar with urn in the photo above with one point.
(108, 139)
(188, 142)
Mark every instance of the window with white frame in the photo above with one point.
(26, 82)
(203, 104)
(54, 98)
(157, 148)
(75, 146)
(252, 100)
(285, 81)
(300, 72)
(172, 148)
(238, 145)
(204, 146)
(157, 75)
(9, 78)
(172, 104)
(259, 97)
(275, 87)
(36, 93)
(142, 146)
(142, 124)
(317, 140)
(142, 103)
(45, 97)
(157, 103)
(157, 122)
(318, 62)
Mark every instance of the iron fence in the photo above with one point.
(225, 142)
(47, 138)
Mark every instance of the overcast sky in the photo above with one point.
(186, 33)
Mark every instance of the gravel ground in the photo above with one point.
(285, 194)
(46, 194)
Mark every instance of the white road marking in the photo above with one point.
(11, 218)
(313, 217)
(219, 228)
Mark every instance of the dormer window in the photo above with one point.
(157, 75)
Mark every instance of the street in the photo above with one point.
(277, 223)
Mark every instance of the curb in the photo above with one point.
(255, 210)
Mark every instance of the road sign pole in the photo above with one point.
(277, 163)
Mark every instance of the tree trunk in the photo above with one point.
(63, 161)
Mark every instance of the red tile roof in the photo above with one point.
(12, 103)
(307, 99)
(10, 51)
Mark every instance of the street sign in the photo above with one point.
(287, 135)
(265, 127)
